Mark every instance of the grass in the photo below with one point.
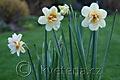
(111, 71)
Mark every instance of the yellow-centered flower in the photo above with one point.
(64, 9)
(15, 44)
(94, 17)
(51, 18)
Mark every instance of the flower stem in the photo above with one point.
(94, 56)
(71, 49)
(46, 48)
(60, 53)
(30, 57)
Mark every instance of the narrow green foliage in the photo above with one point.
(89, 45)
(79, 44)
(54, 64)
(71, 49)
(65, 46)
(39, 63)
(107, 46)
(39, 70)
(60, 53)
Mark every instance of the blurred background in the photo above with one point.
(21, 16)
(15, 15)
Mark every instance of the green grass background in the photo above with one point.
(111, 71)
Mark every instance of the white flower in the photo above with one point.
(51, 18)
(94, 17)
(64, 9)
(15, 44)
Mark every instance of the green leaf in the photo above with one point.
(71, 49)
(60, 53)
(107, 46)
(94, 56)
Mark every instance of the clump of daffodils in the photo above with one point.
(64, 9)
(94, 17)
(51, 18)
(15, 44)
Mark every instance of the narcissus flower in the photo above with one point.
(51, 18)
(64, 9)
(15, 44)
(94, 17)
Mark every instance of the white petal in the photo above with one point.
(93, 27)
(56, 26)
(94, 6)
(60, 17)
(85, 22)
(10, 40)
(11, 46)
(19, 37)
(102, 23)
(85, 11)
(53, 10)
(42, 20)
(12, 52)
(45, 11)
(14, 36)
(102, 13)
(49, 27)
(18, 53)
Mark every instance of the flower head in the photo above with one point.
(15, 44)
(51, 18)
(64, 9)
(94, 17)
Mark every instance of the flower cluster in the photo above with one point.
(52, 17)
(15, 44)
(94, 18)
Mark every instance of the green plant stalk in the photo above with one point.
(28, 70)
(46, 48)
(43, 61)
(54, 63)
(39, 68)
(60, 65)
(65, 46)
(79, 40)
(94, 54)
(39, 63)
(89, 45)
(71, 49)
(80, 46)
(107, 47)
(60, 53)
(81, 28)
(60, 70)
(35, 75)
(80, 61)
